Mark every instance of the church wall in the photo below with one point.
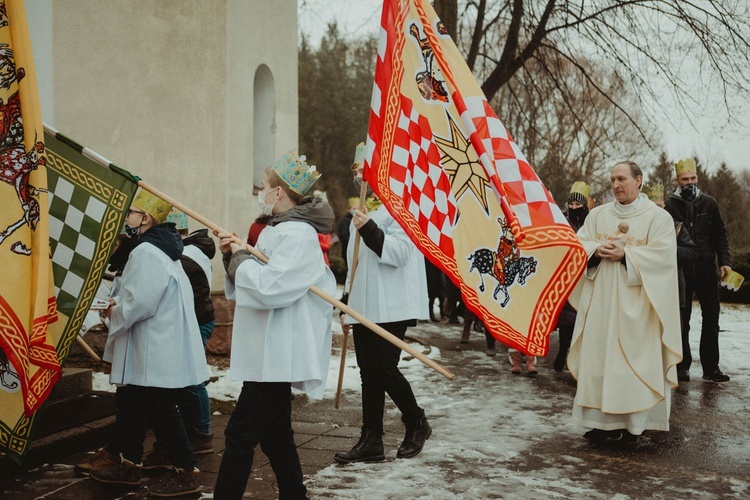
(164, 88)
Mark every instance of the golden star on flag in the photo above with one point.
(461, 163)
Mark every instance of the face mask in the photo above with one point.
(576, 212)
(132, 231)
(689, 191)
(358, 186)
(265, 209)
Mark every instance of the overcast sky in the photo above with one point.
(711, 139)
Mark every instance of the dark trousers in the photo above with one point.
(565, 335)
(378, 367)
(263, 415)
(138, 408)
(705, 285)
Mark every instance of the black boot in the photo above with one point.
(417, 433)
(369, 448)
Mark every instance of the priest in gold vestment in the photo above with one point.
(626, 341)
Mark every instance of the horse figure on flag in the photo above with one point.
(16, 164)
(505, 264)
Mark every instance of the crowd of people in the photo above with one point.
(623, 335)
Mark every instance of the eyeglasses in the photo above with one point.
(131, 211)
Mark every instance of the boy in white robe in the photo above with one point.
(154, 349)
(281, 336)
(626, 339)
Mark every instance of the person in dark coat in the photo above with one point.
(699, 214)
(576, 212)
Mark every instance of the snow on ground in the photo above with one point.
(483, 427)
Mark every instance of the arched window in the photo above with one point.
(264, 122)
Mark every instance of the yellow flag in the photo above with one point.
(29, 364)
(451, 174)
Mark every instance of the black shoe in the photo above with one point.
(416, 434)
(596, 435)
(369, 448)
(559, 363)
(126, 472)
(176, 482)
(716, 376)
(199, 441)
(683, 375)
(599, 436)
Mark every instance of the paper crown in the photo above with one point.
(686, 165)
(580, 192)
(732, 280)
(353, 201)
(360, 153)
(179, 218)
(656, 192)
(295, 172)
(152, 205)
(581, 187)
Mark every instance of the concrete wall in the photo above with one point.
(164, 88)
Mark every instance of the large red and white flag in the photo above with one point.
(448, 170)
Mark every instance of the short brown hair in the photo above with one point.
(275, 181)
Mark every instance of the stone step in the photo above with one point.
(72, 411)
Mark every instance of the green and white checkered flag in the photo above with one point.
(88, 202)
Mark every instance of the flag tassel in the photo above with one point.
(314, 289)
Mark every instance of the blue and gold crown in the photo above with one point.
(295, 172)
(179, 218)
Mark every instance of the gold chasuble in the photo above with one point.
(626, 340)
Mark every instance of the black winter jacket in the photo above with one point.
(703, 222)
(204, 307)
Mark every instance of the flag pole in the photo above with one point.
(314, 289)
(355, 259)
(87, 348)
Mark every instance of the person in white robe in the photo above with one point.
(390, 289)
(154, 349)
(281, 337)
(626, 340)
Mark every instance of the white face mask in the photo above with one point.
(265, 209)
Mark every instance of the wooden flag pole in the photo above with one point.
(314, 289)
(87, 348)
(355, 257)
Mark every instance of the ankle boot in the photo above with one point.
(515, 360)
(417, 433)
(369, 448)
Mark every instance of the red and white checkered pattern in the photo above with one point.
(403, 165)
(502, 159)
(418, 179)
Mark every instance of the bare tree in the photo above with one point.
(681, 47)
(568, 130)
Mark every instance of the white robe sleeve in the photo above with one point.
(291, 271)
(143, 283)
(397, 247)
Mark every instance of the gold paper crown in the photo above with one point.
(360, 153)
(152, 205)
(295, 172)
(582, 188)
(732, 280)
(179, 218)
(686, 165)
(656, 192)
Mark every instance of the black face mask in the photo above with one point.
(576, 212)
(688, 192)
(132, 231)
